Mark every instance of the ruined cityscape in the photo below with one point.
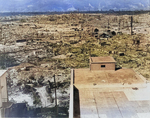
(76, 65)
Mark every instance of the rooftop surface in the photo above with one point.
(123, 76)
(111, 94)
(118, 103)
(102, 59)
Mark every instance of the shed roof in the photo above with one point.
(102, 59)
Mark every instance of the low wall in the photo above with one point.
(71, 105)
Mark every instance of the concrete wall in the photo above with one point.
(0, 98)
(71, 105)
(4, 88)
(97, 66)
(3, 92)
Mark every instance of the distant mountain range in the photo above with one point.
(71, 5)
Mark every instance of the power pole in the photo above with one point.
(131, 24)
(108, 24)
(119, 24)
(55, 91)
(56, 111)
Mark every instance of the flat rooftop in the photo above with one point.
(106, 94)
(109, 103)
(123, 76)
(102, 59)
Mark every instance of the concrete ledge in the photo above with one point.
(71, 105)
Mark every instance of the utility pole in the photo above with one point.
(108, 24)
(55, 91)
(56, 107)
(131, 24)
(119, 24)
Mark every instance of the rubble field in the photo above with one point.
(39, 47)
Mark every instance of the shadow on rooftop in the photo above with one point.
(76, 103)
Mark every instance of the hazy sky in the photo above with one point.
(70, 5)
